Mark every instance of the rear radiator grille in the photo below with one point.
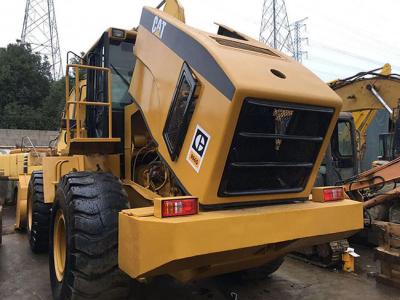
(274, 148)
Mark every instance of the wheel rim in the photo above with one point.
(29, 215)
(59, 245)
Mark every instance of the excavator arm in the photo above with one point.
(375, 177)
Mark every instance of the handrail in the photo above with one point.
(88, 67)
(79, 102)
(76, 55)
(89, 103)
(30, 141)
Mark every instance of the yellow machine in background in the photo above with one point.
(364, 95)
(17, 166)
(179, 160)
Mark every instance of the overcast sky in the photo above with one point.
(345, 37)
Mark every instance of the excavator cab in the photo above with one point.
(341, 161)
(343, 147)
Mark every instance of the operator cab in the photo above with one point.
(114, 50)
(100, 82)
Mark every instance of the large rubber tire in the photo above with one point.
(256, 273)
(38, 222)
(89, 203)
(272, 267)
(13, 197)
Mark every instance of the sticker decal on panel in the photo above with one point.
(198, 148)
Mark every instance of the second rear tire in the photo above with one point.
(38, 215)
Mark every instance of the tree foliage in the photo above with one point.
(29, 98)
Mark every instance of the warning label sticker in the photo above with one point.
(198, 148)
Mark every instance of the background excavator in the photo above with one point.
(368, 130)
(378, 190)
(367, 135)
(373, 98)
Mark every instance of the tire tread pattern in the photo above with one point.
(93, 202)
(39, 233)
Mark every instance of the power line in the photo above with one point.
(359, 33)
(40, 32)
(349, 54)
(329, 63)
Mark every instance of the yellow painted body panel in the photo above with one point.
(151, 246)
(12, 165)
(154, 81)
(20, 162)
(174, 8)
(22, 202)
(54, 168)
(18, 166)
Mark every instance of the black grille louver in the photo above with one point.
(180, 112)
(274, 148)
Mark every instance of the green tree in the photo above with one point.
(29, 99)
(53, 105)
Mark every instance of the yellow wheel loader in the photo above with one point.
(187, 154)
(16, 169)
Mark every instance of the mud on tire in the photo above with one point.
(38, 215)
(90, 203)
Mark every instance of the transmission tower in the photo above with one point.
(275, 29)
(40, 31)
(298, 28)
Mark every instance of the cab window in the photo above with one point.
(342, 143)
(344, 139)
(122, 63)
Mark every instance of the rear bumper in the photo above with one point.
(221, 241)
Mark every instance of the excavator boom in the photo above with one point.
(173, 8)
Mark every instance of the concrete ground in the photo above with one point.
(24, 275)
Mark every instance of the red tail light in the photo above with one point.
(333, 194)
(179, 207)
